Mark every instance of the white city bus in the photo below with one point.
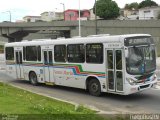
(120, 64)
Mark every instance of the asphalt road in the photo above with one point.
(144, 102)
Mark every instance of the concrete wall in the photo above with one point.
(112, 27)
(3, 40)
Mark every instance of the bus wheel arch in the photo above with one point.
(33, 78)
(93, 86)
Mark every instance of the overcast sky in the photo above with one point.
(21, 8)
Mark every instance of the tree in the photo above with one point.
(126, 6)
(147, 3)
(106, 9)
(132, 6)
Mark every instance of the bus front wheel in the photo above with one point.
(94, 87)
(33, 78)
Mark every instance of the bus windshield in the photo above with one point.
(141, 59)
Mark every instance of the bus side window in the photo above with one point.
(76, 53)
(31, 53)
(9, 53)
(60, 53)
(94, 53)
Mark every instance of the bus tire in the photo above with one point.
(94, 87)
(33, 78)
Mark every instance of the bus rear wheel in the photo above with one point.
(94, 87)
(33, 78)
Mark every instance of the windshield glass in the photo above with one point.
(141, 59)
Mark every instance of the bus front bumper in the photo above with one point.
(130, 89)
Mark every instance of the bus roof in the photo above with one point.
(76, 40)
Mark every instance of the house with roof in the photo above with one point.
(31, 18)
(92, 15)
(51, 15)
(127, 14)
(73, 15)
(148, 13)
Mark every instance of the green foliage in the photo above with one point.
(32, 106)
(147, 3)
(132, 6)
(106, 9)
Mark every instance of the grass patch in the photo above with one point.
(28, 105)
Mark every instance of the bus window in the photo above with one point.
(94, 53)
(60, 53)
(76, 53)
(9, 53)
(50, 58)
(118, 59)
(31, 53)
(45, 58)
(39, 53)
(110, 59)
(24, 53)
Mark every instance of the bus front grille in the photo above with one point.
(144, 86)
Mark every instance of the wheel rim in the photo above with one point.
(94, 87)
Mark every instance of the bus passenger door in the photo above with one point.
(114, 70)
(48, 64)
(19, 67)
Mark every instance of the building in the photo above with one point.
(73, 15)
(47, 16)
(50, 16)
(126, 14)
(31, 18)
(19, 21)
(148, 13)
(92, 15)
(59, 15)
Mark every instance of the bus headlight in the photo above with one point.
(154, 77)
(131, 81)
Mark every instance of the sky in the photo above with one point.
(21, 8)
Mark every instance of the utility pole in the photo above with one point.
(79, 20)
(63, 10)
(95, 9)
